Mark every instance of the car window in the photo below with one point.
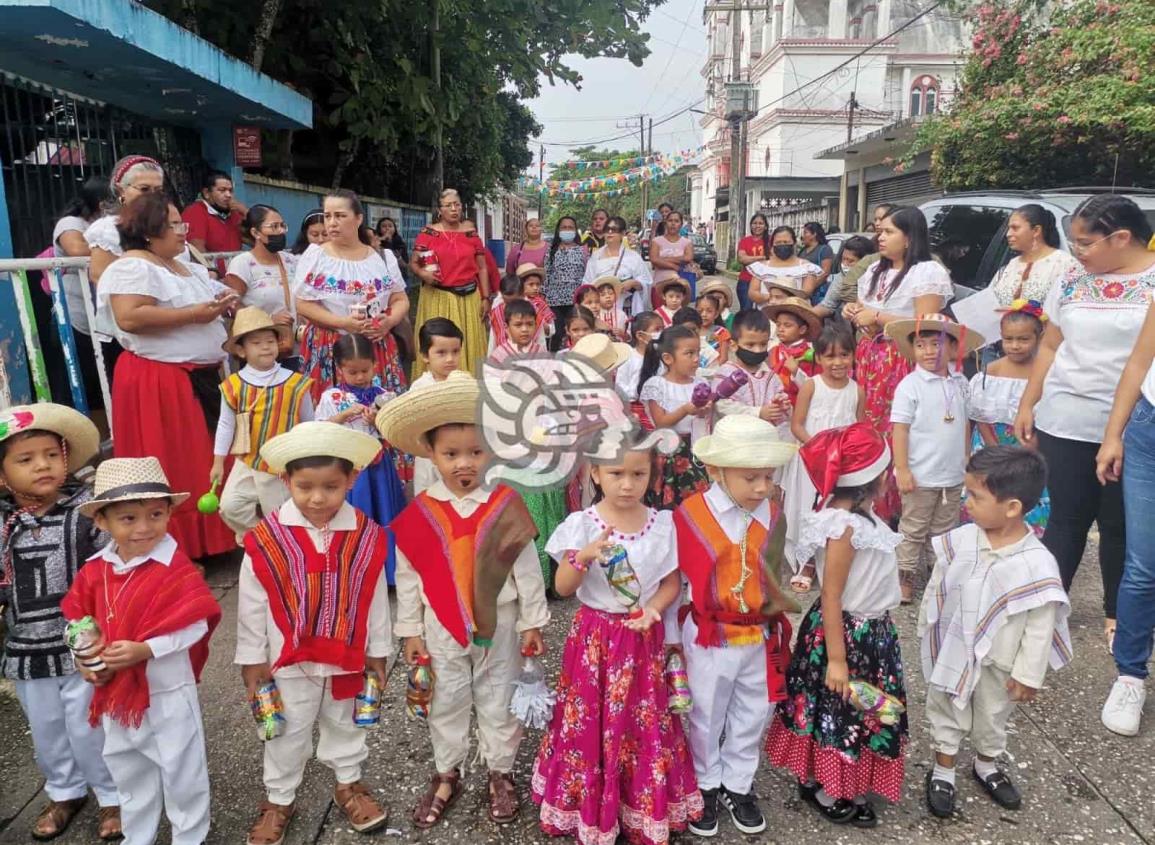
(960, 236)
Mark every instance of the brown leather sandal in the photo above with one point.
(108, 824)
(55, 818)
(432, 804)
(271, 824)
(503, 804)
(361, 808)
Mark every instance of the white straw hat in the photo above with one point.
(76, 429)
(320, 440)
(406, 420)
(129, 480)
(253, 319)
(605, 354)
(744, 442)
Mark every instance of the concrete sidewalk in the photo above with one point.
(1081, 784)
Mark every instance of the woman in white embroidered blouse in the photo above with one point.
(904, 282)
(1033, 234)
(1095, 315)
(783, 268)
(617, 259)
(166, 388)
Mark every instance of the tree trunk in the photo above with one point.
(343, 162)
(189, 16)
(269, 11)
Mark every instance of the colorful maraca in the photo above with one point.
(874, 702)
(210, 502)
(678, 683)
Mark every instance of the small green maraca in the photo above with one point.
(210, 502)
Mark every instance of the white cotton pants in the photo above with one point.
(69, 751)
(246, 490)
(984, 718)
(728, 685)
(342, 746)
(469, 680)
(161, 764)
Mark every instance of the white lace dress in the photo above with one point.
(872, 587)
(829, 408)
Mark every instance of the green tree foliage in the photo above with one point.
(367, 66)
(671, 189)
(1053, 94)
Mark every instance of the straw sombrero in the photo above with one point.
(253, 319)
(605, 354)
(660, 287)
(129, 480)
(718, 289)
(801, 309)
(76, 429)
(320, 440)
(744, 442)
(613, 281)
(901, 331)
(790, 284)
(529, 269)
(407, 420)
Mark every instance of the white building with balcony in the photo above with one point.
(802, 57)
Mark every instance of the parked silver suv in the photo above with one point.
(968, 230)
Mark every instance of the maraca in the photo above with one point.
(726, 388)
(210, 502)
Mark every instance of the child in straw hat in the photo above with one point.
(735, 636)
(796, 328)
(533, 280)
(470, 592)
(44, 542)
(259, 402)
(155, 614)
(610, 312)
(290, 632)
(931, 434)
(671, 294)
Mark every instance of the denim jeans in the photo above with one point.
(1136, 621)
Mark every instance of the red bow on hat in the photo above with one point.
(832, 457)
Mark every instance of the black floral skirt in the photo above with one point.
(676, 478)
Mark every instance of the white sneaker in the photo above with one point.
(1124, 708)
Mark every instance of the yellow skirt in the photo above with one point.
(465, 312)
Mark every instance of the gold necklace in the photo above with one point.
(111, 603)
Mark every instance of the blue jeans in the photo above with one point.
(743, 295)
(1136, 621)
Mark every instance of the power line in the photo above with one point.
(669, 61)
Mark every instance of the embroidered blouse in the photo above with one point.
(340, 283)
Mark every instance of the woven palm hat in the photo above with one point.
(612, 281)
(718, 289)
(902, 332)
(530, 269)
(129, 480)
(787, 283)
(801, 309)
(605, 354)
(72, 426)
(320, 440)
(407, 420)
(660, 287)
(741, 441)
(253, 319)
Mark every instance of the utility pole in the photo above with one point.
(645, 182)
(541, 182)
(737, 141)
(850, 118)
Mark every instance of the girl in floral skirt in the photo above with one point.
(615, 760)
(840, 753)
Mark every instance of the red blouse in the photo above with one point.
(751, 246)
(454, 252)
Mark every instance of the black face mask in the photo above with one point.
(751, 358)
(783, 251)
(275, 243)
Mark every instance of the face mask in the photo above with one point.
(275, 243)
(783, 251)
(567, 236)
(751, 358)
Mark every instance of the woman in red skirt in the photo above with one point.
(165, 389)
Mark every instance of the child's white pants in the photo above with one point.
(729, 689)
(341, 747)
(162, 759)
(246, 490)
(984, 718)
(69, 751)
(474, 679)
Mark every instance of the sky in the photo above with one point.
(614, 92)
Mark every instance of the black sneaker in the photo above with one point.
(744, 810)
(707, 826)
(940, 796)
(1002, 791)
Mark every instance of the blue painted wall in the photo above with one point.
(13, 359)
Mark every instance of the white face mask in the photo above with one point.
(567, 235)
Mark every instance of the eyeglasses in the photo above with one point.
(451, 205)
(1078, 249)
(146, 189)
(180, 228)
(274, 228)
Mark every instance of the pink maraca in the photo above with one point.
(701, 395)
(731, 384)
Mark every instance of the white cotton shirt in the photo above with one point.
(259, 640)
(265, 287)
(70, 280)
(1100, 318)
(628, 264)
(923, 279)
(1149, 385)
(627, 375)
(195, 343)
(938, 449)
(169, 668)
(227, 422)
(425, 474)
(338, 283)
(670, 397)
(995, 399)
(790, 277)
(872, 587)
(1010, 285)
(653, 553)
(732, 517)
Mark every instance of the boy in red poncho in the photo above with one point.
(156, 614)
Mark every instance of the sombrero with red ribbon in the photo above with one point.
(850, 456)
(904, 332)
